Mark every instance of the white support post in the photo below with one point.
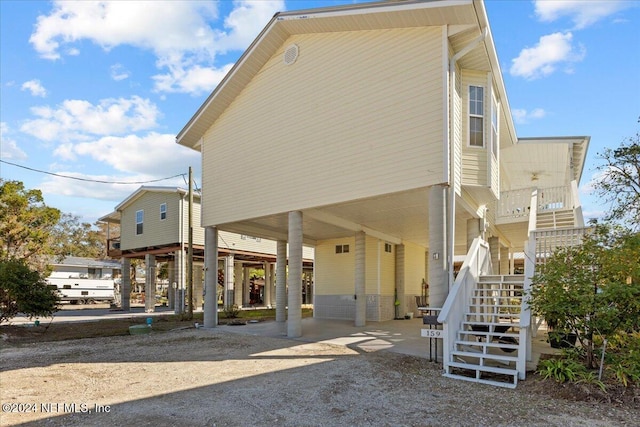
(234, 272)
(150, 283)
(210, 277)
(360, 278)
(267, 283)
(281, 281)
(294, 323)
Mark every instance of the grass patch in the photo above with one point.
(46, 332)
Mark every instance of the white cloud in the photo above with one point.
(195, 80)
(522, 116)
(118, 72)
(60, 186)
(79, 119)
(582, 13)
(180, 34)
(8, 147)
(35, 88)
(155, 154)
(552, 51)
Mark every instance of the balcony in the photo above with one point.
(113, 248)
(515, 205)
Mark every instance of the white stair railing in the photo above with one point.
(476, 263)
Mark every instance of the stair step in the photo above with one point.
(490, 324)
(507, 278)
(492, 369)
(490, 344)
(484, 356)
(491, 335)
(481, 381)
(496, 314)
(495, 306)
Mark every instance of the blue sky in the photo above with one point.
(99, 90)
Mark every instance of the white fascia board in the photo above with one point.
(368, 8)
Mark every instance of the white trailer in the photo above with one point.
(79, 290)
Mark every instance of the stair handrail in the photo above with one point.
(578, 217)
(476, 263)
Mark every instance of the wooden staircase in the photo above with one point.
(487, 349)
(555, 219)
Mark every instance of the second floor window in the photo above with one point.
(163, 211)
(139, 222)
(476, 116)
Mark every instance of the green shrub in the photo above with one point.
(560, 370)
(23, 290)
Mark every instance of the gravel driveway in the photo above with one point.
(221, 378)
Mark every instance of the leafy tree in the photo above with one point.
(26, 225)
(620, 181)
(72, 238)
(593, 289)
(23, 290)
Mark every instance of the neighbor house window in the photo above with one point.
(95, 273)
(139, 221)
(342, 249)
(476, 116)
(163, 211)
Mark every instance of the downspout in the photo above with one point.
(452, 187)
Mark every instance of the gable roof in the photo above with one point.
(114, 217)
(465, 20)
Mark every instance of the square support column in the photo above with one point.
(150, 283)
(473, 231)
(400, 309)
(125, 286)
(494, 249)
(294, 321)
(210, 277)
(281, 281)
(267, 283)
(504, 260)
(229, 281)
(360, 279)
(438, 267)
(179, 296)
(235, 272)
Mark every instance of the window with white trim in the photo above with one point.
(494, 126)
(476, 116)
(139, 221)
(163, 212)
(388, 248)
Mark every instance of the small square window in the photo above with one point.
(342, 249)
(387, 247)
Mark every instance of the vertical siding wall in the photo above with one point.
(155, 230)
(334, 280)
(357, 115)
(474, 159)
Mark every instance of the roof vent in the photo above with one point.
(291, 54)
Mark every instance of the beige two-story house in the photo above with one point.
(381, 135)
(153, 225)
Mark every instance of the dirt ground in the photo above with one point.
(221, 378)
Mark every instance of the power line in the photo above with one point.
(91, 180)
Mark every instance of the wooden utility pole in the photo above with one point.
(190, 251)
